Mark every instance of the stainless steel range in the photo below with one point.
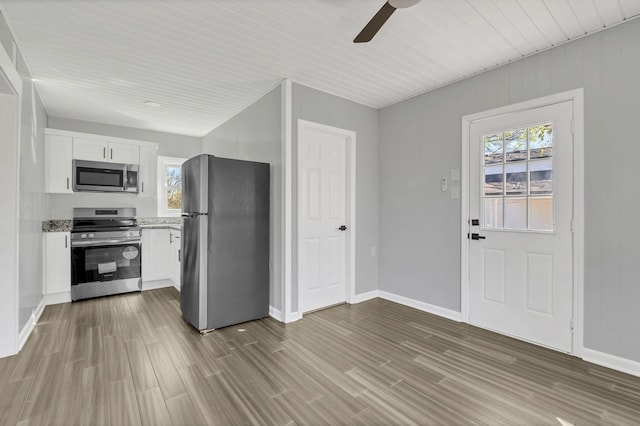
(106, 247)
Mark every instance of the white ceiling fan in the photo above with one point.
(381, 17)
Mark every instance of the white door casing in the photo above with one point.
(527, 284)
(10, 118)
(326, 202)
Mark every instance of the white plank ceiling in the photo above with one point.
(204, 61)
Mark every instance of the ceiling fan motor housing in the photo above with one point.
(401, 4)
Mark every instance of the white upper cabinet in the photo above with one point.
(148, 173)
(112, 152)
(89, 149)
(125, 153)
(58, 170)
(62, 147)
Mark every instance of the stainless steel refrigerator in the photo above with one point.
(225, 241)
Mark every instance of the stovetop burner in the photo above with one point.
(104, 219)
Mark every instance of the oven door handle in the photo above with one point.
(103, 243)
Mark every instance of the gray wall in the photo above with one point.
(313, 105)
(33, 203)
(420, 141)
(255, 134)
(169, 145)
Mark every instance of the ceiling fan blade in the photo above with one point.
(375, 24)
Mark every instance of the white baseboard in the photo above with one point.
(293, 317)
(275, 313)
(37, 313)
(56, 298)
(28, 327)
(422, 306)
(611, 361)
(362, 297)
(152, 285)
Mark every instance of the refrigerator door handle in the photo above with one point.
(194, 214)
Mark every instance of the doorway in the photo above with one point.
(521, 255)
(326, 215)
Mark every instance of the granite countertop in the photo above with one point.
(57, 225)
(174, 226)
(64, 225)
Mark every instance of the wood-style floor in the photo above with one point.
(131, 359)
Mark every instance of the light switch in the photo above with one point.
(373, 251)
(455, 175)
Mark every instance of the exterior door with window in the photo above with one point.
(521, 198)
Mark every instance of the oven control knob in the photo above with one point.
(83, 236)
(91, 235)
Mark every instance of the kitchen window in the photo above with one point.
(169, 185)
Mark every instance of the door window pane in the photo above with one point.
(515, 213)
(541, 141)
(541, 172)
(541, 213)
(515, 143)
(493, 180)
(493, 148)
(493, 213)
(516, 178)
(517, 171)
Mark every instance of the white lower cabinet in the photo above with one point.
(57, 267)
(160, 255)
(174, 240)
(155, 255)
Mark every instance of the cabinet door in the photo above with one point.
(156, 256)
(57, 266)
(58, 168)
(126, 153)
(176, 257)
(89, 149)
(147, 174)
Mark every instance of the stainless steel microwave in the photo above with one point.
(98, 176)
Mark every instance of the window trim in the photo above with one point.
(163, 162)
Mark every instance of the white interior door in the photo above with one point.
(323, 227)
(521, 194)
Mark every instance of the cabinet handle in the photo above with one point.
(112, 153)
(179, 251)
(142, 186)
(66, 244)
(104, 152)
(67, 183)
(170, 238)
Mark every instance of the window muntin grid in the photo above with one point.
(517, 190)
